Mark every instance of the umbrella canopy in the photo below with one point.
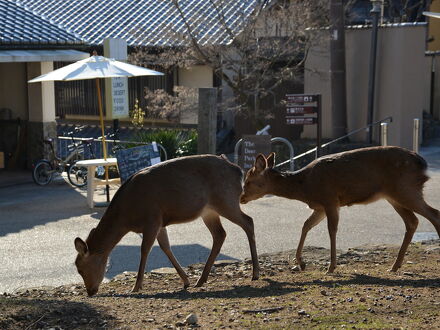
(431, 14)
(95, 67)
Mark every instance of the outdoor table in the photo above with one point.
(92, 182)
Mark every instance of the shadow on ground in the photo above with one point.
(27, 206)
(275, 288)
(126, 258)
(50, 314)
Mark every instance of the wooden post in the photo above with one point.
(207, 123)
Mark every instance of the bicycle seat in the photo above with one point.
(48, 140)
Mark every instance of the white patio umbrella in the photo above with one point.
(96, 67)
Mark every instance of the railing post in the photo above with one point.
(384, 134)
(416, 132)
(291, 152)
(237, 147)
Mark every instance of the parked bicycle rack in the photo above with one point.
(273, 140)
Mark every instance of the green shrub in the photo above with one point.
(176, 142)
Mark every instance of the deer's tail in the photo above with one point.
(422, 166)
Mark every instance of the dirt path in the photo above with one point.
(361, 294)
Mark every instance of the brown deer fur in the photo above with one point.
(173, 192)
(353, 177)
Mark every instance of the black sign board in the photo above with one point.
(252, 145)
(301, 120)
(300, 110)
(132, 160)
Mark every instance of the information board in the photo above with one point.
(252, 145)
(119, 97)
(132, 160)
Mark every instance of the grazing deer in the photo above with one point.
(354, 177)
(172, 192)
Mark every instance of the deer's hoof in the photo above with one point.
(186, 285)
(199, 283)
(300, 265)
(393, 270)
(331, 270)
(136, 289)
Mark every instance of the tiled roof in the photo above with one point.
(21, 26)
(139, 22)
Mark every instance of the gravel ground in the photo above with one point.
(361, 294)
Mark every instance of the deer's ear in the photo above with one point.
(260, 163)
(271, 160)
(81, 246)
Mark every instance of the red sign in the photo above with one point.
(301, 120)
(301, 98)
(300, 110)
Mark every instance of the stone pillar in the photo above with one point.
(41, 107)
(207, 123)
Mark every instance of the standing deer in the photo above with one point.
(172, 192)
(354, 177)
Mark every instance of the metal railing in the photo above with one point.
(63, 143)
(369, 126)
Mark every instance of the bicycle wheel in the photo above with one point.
(77, 175)
(42, 173)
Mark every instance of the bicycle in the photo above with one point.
(45, 169)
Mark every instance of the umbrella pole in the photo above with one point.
(104, 147)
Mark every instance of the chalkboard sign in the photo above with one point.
(132, 160)
(252, 145)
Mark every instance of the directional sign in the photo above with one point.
(298, 105)
(301, 110)
(301, 98)
(301, 120)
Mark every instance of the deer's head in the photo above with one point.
(257, 180)
(91, 266)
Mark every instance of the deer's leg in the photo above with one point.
(314, 219)
(235, 215)
(164, 243)
(414, 201)
(212, 221)
(430, 213)
(332, 224)
(411, 223)
(149, 236)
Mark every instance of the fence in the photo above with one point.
(95, 150)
